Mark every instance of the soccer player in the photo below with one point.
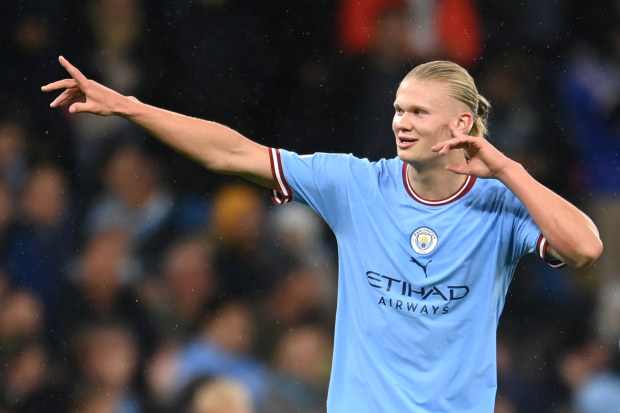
(428, 241)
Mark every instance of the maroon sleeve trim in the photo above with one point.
(541, 248)
(283, 193)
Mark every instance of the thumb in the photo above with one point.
(77, 107)
(458, 169)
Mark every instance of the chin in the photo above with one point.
(406, 156)
(413, 158)
(402, 155)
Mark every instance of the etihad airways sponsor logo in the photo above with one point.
(402, 287)
(404, 296)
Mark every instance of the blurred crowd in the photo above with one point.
(132, 280)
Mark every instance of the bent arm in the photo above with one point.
(215, 146)
(571, 234)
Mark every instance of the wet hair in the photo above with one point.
(461, 85)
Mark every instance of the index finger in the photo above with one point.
(455, 142)
(72, 70)
(59, 84)
(454, 129)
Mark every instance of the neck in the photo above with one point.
(434, 183)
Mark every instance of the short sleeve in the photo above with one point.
(318, 180)
(530, 238)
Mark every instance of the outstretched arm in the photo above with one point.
(215, 146)
(571, 234)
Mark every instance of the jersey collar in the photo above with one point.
(464, 189)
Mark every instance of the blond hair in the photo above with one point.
(462, 87)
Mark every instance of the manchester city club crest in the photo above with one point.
(423, 240)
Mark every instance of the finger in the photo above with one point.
(60, 100)
(453, 129)
(60, 84)
(78, 107)
(442, 148)
(65, 97)
(72, 70)
(445, 146)
(456, 132)
(458, 169)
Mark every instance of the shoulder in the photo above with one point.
(346, 161)
(491, 194)
(492, 189)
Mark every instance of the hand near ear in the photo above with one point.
(481, 158)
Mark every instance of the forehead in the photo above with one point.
(424, 93)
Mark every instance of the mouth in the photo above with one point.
(404, 142)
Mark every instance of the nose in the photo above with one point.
(402, 121)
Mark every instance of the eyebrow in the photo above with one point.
(413, 106)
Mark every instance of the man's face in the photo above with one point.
(423, 111)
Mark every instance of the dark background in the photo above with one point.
(283, 74)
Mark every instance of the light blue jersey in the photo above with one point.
(421, 283)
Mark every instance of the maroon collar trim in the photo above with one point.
(464, 189)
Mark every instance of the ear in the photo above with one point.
(464, 121)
